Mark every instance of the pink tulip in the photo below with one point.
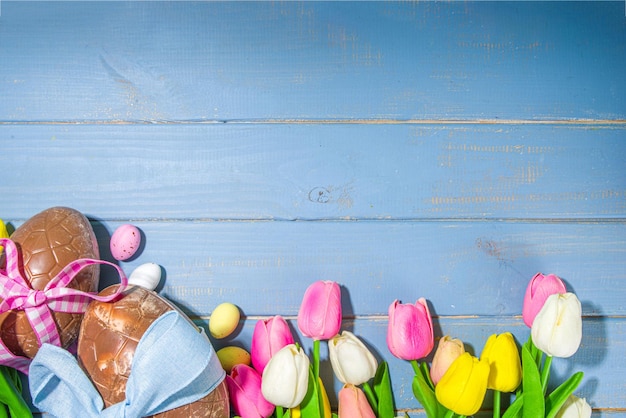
(538, 290)
(269, 336)
(244, 389)
(353, 403)
(410, 330)
(320, 312)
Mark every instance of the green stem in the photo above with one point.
(316, 375)
(496, 403)
(279, 412)
(545, 373)
(316, 360)
(369, 394)
(416, 366)
(449, 414)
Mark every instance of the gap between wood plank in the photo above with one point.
(496, 121)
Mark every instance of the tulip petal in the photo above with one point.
(320, 312)
(557, 329)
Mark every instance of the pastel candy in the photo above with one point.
(125, 242)
(147, 275)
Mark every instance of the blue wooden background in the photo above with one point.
(446, 150)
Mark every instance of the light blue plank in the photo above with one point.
(463, 268)
(316, 171)
(250, 60)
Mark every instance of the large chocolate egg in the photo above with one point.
(107, 342)
(48, 242)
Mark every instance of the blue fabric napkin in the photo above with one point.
(174, 364)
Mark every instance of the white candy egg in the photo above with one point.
(147, 275)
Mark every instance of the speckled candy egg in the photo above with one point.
(48, 242)
(107, 342)
(125, 242)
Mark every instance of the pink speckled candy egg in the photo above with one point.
(125, 242)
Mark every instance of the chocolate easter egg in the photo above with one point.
(107, 342)
(47, 242)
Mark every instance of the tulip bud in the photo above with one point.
(319, 317)
(244, 389)
(463, 387)
(269, 336)
(574, 407)
(503, 357)
(352, 362)
(285, 378)
(410, 331)
(538, 290)
(353, 403)
(558, 329)
(447, 351)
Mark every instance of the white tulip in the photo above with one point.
(285, 378)
(557, 328)
(352, 362)
(574, 407)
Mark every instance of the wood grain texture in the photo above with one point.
(320, 171)
(446, 150)
(147, 61)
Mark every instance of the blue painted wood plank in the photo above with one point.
(316, 171)
(464, 268)
(74, 61)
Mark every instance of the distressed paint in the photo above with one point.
(216, 61)
(404, 149)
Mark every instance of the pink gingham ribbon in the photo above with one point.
(17, 294)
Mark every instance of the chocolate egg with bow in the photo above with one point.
(109, 336)
(47, 243)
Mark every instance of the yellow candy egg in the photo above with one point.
(224, 320)
(3, 230)
(231, 356)
(3, 233)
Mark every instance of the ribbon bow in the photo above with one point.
(174, 364)
(17, 294)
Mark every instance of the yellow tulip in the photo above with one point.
(325, 400)
(502, 355)
(295, 412)
(448, 350)
(462, 388)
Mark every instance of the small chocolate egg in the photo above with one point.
(147, 275)
(125, 242)
(224, 320)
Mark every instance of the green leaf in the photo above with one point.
(531, 383)
(425, 395)
(515, 409)
(4, 413)
(426, 372)
(310, 406)
(557, 398)
(335, 415)
(10, 395)
(535, 353)
(382, 390)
